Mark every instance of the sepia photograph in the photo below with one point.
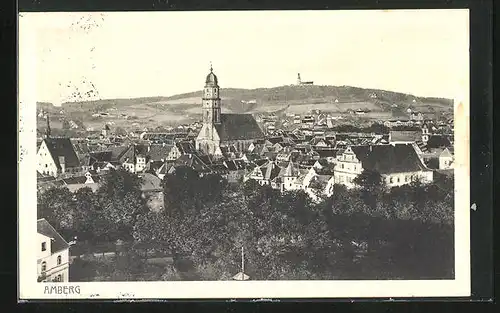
(244, 154)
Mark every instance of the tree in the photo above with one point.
(120, 202)
(180, 190)
(85, 213)
(57, 206)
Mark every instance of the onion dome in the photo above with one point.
(211, 78)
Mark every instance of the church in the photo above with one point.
(223, 130)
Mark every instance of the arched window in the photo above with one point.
(44, 266)
(58, 260)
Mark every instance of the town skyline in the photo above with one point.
(261, 55)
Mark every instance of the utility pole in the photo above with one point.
(241, 275)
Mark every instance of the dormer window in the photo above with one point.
(44, 266)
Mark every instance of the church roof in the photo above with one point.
(238, 127)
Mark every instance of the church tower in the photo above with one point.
(211, 100)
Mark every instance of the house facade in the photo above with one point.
(398, 164)
(57, 156)
(52, 254)
(446, 159)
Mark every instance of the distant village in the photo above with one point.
(310, 152)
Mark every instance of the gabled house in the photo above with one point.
(446, 159)
(398, 164)
(152, 191)
(56, 156)
(52, 254)
(195, 162)
(265, 173)
(89, 179)
(236, 170)
(288, 176)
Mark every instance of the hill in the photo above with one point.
(185, 107)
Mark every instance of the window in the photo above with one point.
(44, 246)
(46, 165)
(342, 165)
(391, 180)
(59, 277)
(44, 266)
(398, 179)
(58, 260)
(406, 178)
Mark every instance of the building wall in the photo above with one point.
(45, 163)
(174, 154)
(207, 140)
(53, 269)
(288, 183)
(400, 179)
(445, 162)
(240, 145)
(141, 164)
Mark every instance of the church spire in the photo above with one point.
(47, 130)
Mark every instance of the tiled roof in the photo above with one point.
(270, 170)
(274, 140)
(158, 152)
(436, 141)
(290, 170)
(402, 135)
(324, 153)
(193, 161)
(238, 126)
(58, 243)
(185, 147)
(62, 147)
(386, 159)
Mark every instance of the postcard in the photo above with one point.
(244, 154)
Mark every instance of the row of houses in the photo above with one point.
(398, 164)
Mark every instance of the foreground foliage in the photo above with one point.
(365, 233)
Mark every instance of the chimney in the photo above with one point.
(62, 162)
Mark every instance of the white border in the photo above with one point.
(30, 289)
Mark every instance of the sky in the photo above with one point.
(143, 54)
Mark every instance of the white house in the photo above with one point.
(57, 156)
(264, 174)
(445, 159)
(288, 176)
(398, 164)
(52, 254)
